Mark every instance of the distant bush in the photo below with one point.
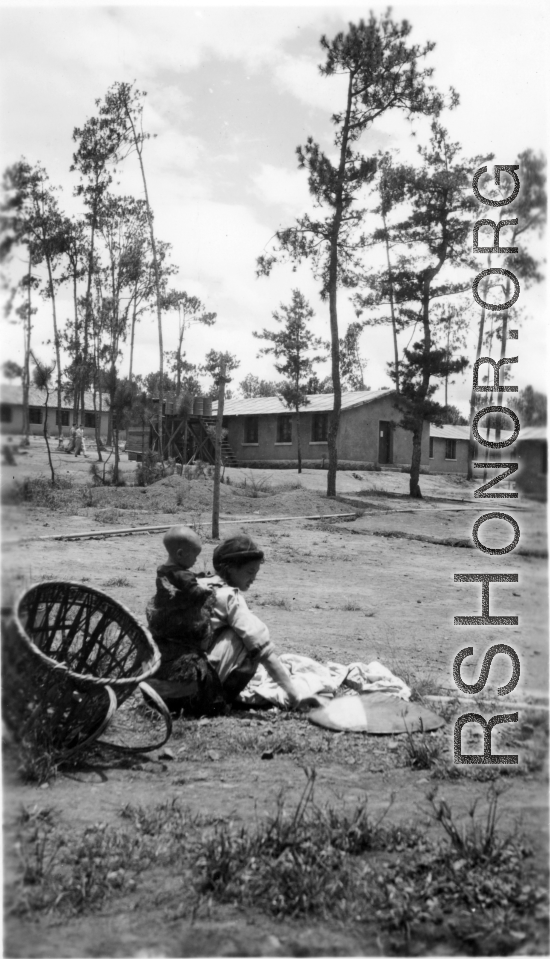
(151, 470)
(40, 492)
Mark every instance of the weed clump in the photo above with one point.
(329, 863)
(281, 602)
(40, 492)
(468, 887)
(255, 486)
(421, 751)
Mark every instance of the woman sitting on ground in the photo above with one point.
(240, 640)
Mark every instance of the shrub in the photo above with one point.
(40, 492)
(422, 750)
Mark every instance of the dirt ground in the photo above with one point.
(374, 585)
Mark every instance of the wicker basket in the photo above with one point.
(67, 649)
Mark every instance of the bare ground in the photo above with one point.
(344, 590)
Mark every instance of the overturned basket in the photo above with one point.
(71, 655)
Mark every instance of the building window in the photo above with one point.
(5, 413)
(89, 419)
(450, 449)
(64, 417)
(35, 414)
(319, 428)
(251, 429)
(431, 447)
(284, 429)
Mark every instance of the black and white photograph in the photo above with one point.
(273, 408)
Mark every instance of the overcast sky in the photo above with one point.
(232, 91)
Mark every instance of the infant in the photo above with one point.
(176, 614)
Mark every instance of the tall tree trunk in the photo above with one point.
(414, 483)
(77, 357)
(46, 437)
(57, 348)
(139, 149)
(472, 446)
(332, 438)
(96, 385)
(88, 319)
(218, 455)
(110, 425)
(26, 378)
(133, 332)
(392, 304)
(503, 342)
(97, 420)
(179, 362)
(299, 439)
(117, 457)
(448, 358)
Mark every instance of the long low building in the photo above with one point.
(449, 454)
(262, 432)
(11, 411)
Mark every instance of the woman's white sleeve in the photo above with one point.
(254, 633)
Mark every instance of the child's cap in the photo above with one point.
(236, 550)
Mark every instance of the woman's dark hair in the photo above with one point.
(236, 551)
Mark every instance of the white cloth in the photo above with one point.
(312, 679)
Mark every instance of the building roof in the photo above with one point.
(532, 433)
(317, 403)
(13, 393)
(448, 432)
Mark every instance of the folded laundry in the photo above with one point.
(314, 679)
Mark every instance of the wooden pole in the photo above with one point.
(131, 530)
(218, 455)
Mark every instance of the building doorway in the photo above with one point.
(385, 442)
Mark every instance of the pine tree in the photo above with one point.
(190, 310)
(33, 217)
(435, 233)
(382, 74)
(293, 345)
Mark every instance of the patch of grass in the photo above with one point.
(351, 606)
(422, 751)
(420, 686)
(479, 841)
(465, 890)
(106, 516)
(87, 496)
(150, 470)
(196, 524)
(35, 754)
(255, 486)
(39, 491)
(117, 581)
(75, 872)
(281, 602)
(332, 863)
(198, 470)
(291, 865)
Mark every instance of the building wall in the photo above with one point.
(532, 474)
(438, 463)
(37, 429)
(357, 438)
